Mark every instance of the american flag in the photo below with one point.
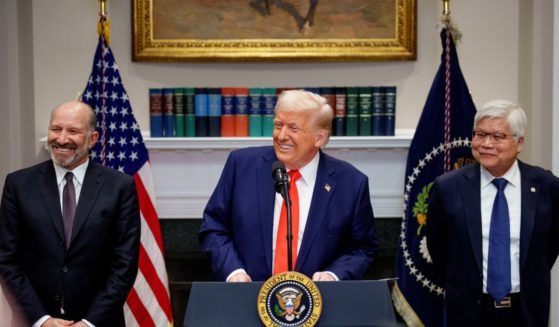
(121, 147)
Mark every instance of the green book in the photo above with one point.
(189, 117)
(255, 111)
(378, 111)
(352, 111)
(178, 106)
(365, 111)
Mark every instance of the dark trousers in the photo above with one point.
(504, 313)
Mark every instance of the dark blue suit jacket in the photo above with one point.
(455, 242)
(238, 220)
(93, 277)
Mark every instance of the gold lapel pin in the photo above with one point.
(327, 187)
(533, 189)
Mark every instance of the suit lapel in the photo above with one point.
(530, 190)
(319, 204)
(266, 197)
(48, 188)
(92, 183)
(472, 203)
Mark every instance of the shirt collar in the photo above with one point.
(79, 172)
(512, 175)
(308, 172)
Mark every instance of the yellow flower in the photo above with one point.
(421, 218)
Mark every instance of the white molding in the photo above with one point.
(401, 140)
(186, 170)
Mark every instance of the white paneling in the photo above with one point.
(186, 170)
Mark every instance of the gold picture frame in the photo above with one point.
(161, 31)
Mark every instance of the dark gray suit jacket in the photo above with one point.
(92, 278)
(455, 242)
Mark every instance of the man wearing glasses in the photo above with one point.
(493, 228)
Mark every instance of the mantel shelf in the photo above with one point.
(400, 141)
(186, 169)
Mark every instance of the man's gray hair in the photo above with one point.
(516, 118)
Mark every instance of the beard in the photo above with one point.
(66, 162)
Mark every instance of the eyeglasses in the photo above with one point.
(495, 137)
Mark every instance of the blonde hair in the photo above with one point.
(300, 100)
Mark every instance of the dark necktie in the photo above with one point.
(280, 261)
(68, 207)
(498, 260)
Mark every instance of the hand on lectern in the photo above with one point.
(239, 277)
(321, 276)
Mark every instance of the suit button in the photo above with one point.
(65, 269)
(57, 298)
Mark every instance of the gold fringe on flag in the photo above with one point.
(104, 25)
(447, 22)
(404, 309)
(106, 29)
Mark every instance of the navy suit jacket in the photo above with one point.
(238, 220)
(455, 242)
(92, 278)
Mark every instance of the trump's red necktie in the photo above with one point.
(280, 261)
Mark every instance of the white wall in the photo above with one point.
(17, 136)
(64, 46)
(554, 318)
(48, 45)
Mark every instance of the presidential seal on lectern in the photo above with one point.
(289, 299)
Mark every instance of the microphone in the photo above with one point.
(282, 187)
(280, 176)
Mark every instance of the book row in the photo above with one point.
(239, 111)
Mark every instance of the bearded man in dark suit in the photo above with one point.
(70, 230)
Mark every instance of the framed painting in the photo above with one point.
(274, 30)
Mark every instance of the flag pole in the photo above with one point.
(104, 21)
(103, 5)
(446, 7)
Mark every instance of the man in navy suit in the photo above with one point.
(463, 232)
(70, 269)
(336, 238)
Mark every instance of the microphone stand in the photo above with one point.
(289, 233)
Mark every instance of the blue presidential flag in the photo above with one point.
(441, 143)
